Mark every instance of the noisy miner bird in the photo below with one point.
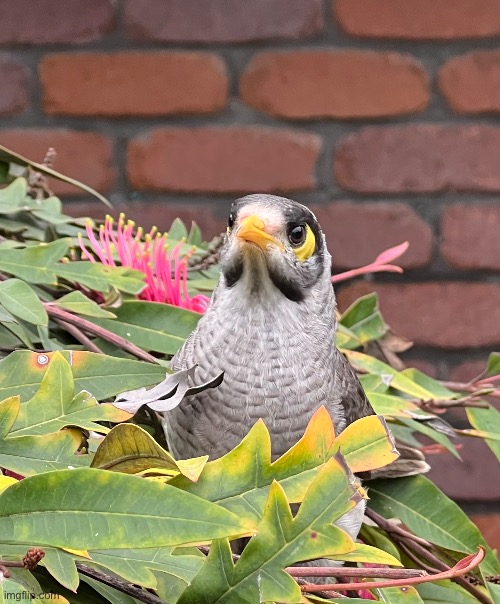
(270, 328)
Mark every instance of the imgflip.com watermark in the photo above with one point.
(27, 596)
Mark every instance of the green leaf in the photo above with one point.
(195, 236)
(55, 405)
(94, 509)
(363, 318)
(444, 592)
(79, 304)
(202, 285)
(487, 420)
(104, 376)
(391, 405)
(426, 511)
(36, 264)
(20, 587)
(136, 565)
(345, 339)
(13, 196)
(110, 594)
(18, 298)
(399, 595)
(21, 334)
(493, 365)
(6, 317)
(27, 455)
(100, 277)
(494, 592)
(177, 230)
(152, 325)
(61, 566)
(374, 536)
(281, 540)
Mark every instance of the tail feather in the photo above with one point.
(409, 463)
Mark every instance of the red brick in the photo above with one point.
(424, 158)
(449, 315)
(147, 214)
(53, 21)
(357, 233)
(85, 156)
(419, 19)
(133, 83)
(489, 525)
(339, 84)
(222, 20)
(467, 371)
(470, 236)
(223, 160)
(13, 92)
(477, 478)
(471, 83)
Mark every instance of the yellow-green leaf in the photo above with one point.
(131, 450)
(6, 482)
(391, 376)
(104, 376)
(366, 444)
(9, 409)
(281, 540)
(368, 554)
(94, 509)
(55, 405)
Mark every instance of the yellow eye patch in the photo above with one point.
(306, 250)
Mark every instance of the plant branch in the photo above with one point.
(392, 528)
(383, 573)
(475, 388)
(79, 335)
(61, 314)
(422, 548)
(466, 401)
(119, 585)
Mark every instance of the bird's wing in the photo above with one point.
(352, 396)
(355, 404)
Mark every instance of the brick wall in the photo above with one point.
(382, 115)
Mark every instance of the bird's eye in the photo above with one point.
(297, 234)
(231, 220)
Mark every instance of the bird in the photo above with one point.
(270, 327)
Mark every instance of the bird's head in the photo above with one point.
(273, 243)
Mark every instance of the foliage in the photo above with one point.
(87, 477)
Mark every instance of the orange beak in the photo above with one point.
(252, 229)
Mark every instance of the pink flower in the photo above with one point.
(165, 269)
(380, 264)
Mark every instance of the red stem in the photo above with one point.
(62, 315)
(461, 568)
